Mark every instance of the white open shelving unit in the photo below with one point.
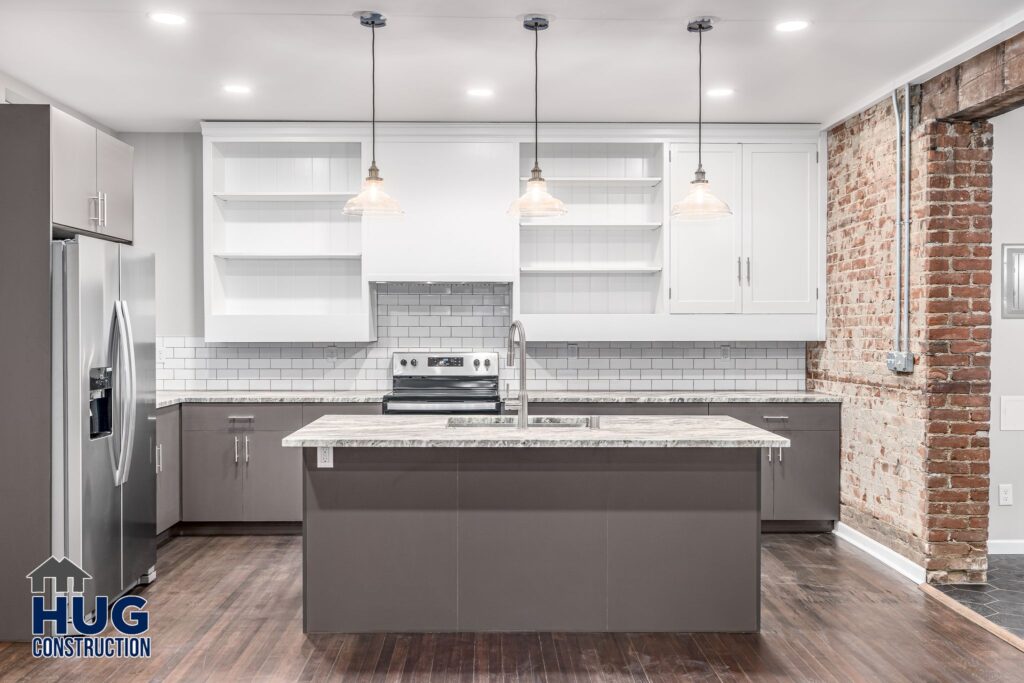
(282, 262)
(606, 255)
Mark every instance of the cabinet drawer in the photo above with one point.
(615, 409)
(314, 411)
(241, 417)
(783, 416)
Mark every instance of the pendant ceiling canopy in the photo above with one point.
(536, 202)
(700, 203)
(372, 200)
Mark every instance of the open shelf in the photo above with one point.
(610, 269)
(602, 181)
(284, 196)
(292, 257)
(651, 225)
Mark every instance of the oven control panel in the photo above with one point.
(444, 363)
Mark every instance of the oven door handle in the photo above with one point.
(441, 406)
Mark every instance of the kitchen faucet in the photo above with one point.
(524, 413)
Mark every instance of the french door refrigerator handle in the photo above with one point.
(121, 370)
(133, 395)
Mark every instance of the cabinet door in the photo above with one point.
(806, 477)
(114, 178)
(211, 480)
(780, 228)
(168, 475)
(73, 158)
(273, 479)
(705, 254)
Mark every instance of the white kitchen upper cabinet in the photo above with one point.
(780, 228)
(705, 255)
(115, 182)
(455, 228)
(73, 156)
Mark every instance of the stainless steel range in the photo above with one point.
(445, 382)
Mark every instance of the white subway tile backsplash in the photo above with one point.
(432, 317)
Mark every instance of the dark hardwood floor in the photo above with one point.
(229, 608)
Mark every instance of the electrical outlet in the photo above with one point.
(331, 353)
(1006, 494)
(324, 456)
(726, 351)
(161, 353)
(574, 350)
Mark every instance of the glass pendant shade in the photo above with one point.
(700, 204)
(537, 202)
(372, 200)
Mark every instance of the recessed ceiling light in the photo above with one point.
(237, 89)
(167, 18)
(721, 92)
(792, 25)
(480, 92)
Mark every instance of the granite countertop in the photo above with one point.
(394, 431)
(170, 398)
(678, 397)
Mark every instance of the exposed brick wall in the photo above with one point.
(884, 414)
(915, 447)
(954, 209)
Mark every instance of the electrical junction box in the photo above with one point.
(900, 361)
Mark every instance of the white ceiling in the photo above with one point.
(630, 60)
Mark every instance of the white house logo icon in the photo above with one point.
(63, 574)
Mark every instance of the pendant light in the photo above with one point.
(700, 204)
(372, 200)
(536, 202)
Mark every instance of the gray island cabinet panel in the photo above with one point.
(168, 474)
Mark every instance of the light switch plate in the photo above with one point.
(1006, 494)
(161, 352)
(331, 353)
(574, 350)
(324, 456)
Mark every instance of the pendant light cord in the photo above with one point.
(536, 97)
(700, 99)
(373, 95)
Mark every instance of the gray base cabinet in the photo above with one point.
(234, 468)
(799, 483)
(168, 468)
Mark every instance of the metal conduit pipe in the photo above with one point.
(900, 359)
(897, 291)
(907, 220)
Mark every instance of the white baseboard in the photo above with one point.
(883, 554)
(1008, 547)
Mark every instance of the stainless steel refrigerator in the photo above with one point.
(104, 381)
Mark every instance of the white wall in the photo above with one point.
(168, 222)
(1006, 523)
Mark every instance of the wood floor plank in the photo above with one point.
(229, 609)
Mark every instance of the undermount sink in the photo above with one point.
(534, 421)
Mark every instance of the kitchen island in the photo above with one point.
(632, 523)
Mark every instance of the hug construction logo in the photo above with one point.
(70, 633)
